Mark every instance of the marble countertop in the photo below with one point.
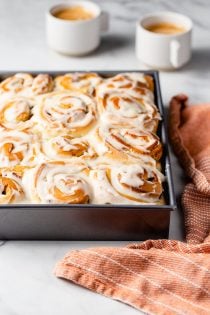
(28, 286)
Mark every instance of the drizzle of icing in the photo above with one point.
(78, 81)
(54, 130)
(65, 112)
(58, 182)
(16, 113)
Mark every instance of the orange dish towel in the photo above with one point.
(161, 276)
(190, 136)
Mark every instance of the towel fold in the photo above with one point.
(163, 277)
(190, 136)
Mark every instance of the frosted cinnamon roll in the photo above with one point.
(42, 83)
(121, 110)
(143, 80)
(124, 143)
(58, 183)
(16, 84)
(132, 83)
(123, 102)
(18, 148)
(25, 85)
(126, 183)
(69, 113)
(11, 190)
(16, 113)
(65, 148)
(81, 82)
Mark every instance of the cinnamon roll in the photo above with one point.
(79, 138)
(11, 190)
(81, 82)
(16, 83)
(16, 113)
(69, 113)
(124, 102)
(18, 148)
(66, 147)
(42, 83)
(25, 85)
(126, 183)
(133, 83)
(124, 143)
(143, 80)
(58, 182)
(123, 111)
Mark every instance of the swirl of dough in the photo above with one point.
(81, 82)
(16, 113)
(124, 111)
(23, 84)
(18, 148)
(16, 83)
(126, 183)
(42, 83)
(11, 190)
(58, 182)
(69, 113)
(65, 147)
(142, 80)
(136, 143)
(124, 102)
(132, 83)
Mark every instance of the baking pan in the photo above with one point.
(94, 222)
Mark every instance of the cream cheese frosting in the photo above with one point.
(79, 138)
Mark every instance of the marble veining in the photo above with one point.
(28, 286)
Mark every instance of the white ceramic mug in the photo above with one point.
(164, 51)
(75, 37)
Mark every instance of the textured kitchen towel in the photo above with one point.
(189, 128)
(162, 277)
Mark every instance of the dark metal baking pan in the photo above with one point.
(94, 222)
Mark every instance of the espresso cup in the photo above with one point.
(75, 37)
(164, 51)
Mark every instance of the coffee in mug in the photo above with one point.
(75, 27)
(166, 28)
(163, 40)
(74, 13)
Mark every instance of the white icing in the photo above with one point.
(114, 191)
(26, 144)
(42, 83)
(123, 140)
(65, 111)
(11, 111)
(103, 192)
(15, 194)
(23, 84)
(125, 104)
(66, 144)
(130, 175)
(43, 179)
(129, 110)
(85, 82)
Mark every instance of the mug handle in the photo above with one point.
(104, 21)
(175, 47)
